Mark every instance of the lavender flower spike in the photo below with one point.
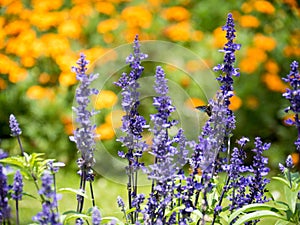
(4, 207)
(84, 135)
(96, 216)
(293, 95)
(17, 186)
(14, 126)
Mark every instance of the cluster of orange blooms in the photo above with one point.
(58, 30)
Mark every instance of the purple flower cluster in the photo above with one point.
(49, 213)
(4, 207)
(84, 135)
(17, 186)
(14, 126)
(293, 95)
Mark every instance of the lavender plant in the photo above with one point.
(17, 192)
(84, 135)
(133, 124)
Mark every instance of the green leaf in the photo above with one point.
(282, 222)
(72, 191)
(291, 197)
(258, 215)
(282, 180)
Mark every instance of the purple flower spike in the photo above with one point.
(4, 207)
(293, 95)
(14, 126)
(17, 186)
(289, 162)
(96, 216)
(227, 68)
(84, 135)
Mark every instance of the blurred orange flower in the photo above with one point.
(17, 74)
(67, 79)
(235, 103)
(70, 28)
(68, 123)
(46, 5)
(178, 32)
(219, 38)
(27, 61)
(105, 131)
(105, 99)
(176, 13)
(2, 84)
(264, 42)
(56, 44)
(14, 7)
(105, 7)
(264, 7)
(271, 66)
(247, 7)
(115, 118)
(37, 92)
(137, 16)
(185, 81)
(274, 82)
(107, 25)
(295, 158)
(16, 27)
(44, 21)
(249, 21)
(44, 78)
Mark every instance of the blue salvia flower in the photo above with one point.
(289, 162)
(84, 135)
(14, 126)
(258, 182)
(293, 95)
(96, 216)
(49, 214)
(17, 186)
(133, 123)
(4, 207)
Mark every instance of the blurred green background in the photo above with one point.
(41, 39)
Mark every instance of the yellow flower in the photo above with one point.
(176, 13)
(264, 42)
(105, 7)
(248, 65)
(65, 60)
(70, 28)
(137, 16)
(249, 21)
(105, 99)
(264, 7)
(46, 20)
(15, 7)
(27, 61)
(105, 131)
(179, 32)
(37, 92)
(235, 103)
(107, 25)
(3, 84)
(44, 78)
(6, 64)
(67, 79)
(46, 5)
(274, 82)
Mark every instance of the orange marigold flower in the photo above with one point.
(176, 13)
(68, 124)
(56, 44)
(194, 102)
(290, 51)
(271, 66)
(105, 7)
(179, 32)
(16, 27)
(274, 82)
(16, 7)
(70, 28)
(46, 5)
(295, 158)
(252, 102)
(105, 131)
(248, 65)
(105, 99)
(44, 78)
(6, 64)
(264, 42)
(37, 92)
(292, 3)
(65, 60)
(264, 7)
(67, 79)
(46, 20)
(17, 74)
(249, 21)
(235, 103)
(27, 61)
(137, 16)
(3, 84)
(197, 35)
(219, 38)
(107, 25)
(185, 81)
(247, 7)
